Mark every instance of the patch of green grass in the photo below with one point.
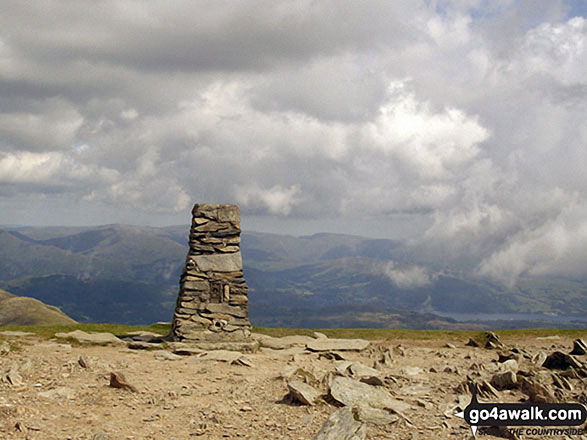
(391, 334)
(48, 331)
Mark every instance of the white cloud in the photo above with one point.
(407, 276)
(276, 200)
(466, 115)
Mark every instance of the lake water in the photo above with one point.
(511, 317)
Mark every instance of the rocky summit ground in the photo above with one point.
(407, 389)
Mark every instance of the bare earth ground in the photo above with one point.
(192, 398)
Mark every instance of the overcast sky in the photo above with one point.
(459, 125)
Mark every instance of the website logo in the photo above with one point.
(523, 414)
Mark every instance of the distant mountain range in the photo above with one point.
(129, 274)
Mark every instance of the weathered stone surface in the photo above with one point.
(375, 416)
(352, 393)
(504, 381)
(360, 370)
(242, 346)
(227, 309)
(117, 380)
(337, 344)
(140, 345)
(472, 343)
(14, 378)
(202, 285)
(94, 338)
(302, 392)
(212, 303)
(164, 355)
(342, 425)
(509, 365)
(492, 341)
(219, 263)
(579, 348)
(561, 361)
(282, 343)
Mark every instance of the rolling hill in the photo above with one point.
(18, 310)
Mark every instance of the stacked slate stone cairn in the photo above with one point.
(212, 305)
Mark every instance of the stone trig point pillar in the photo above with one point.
(212, 305)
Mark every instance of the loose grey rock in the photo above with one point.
(493, 341)
(472, 343)
(504, 381)
(579, 347)
(342, 425)
(375, 416)
(141, 345)
(561, 361)
(353, 393)
(319, 335)
(337, 344)
(537, 392)
(359, 370)
(164, 355)
(14, 378)
(386, 358)
(302, 392)
(117, 380)
(342, 367)
(83, 362)
(282, 343)
(509, 365)
(95, 338)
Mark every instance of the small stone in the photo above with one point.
(493, 341)
(561, 361)
(117, 380)
(342, 425)
(579, 347)
(14, 378)
(83, 362)
(472, 343)
(164, 355)
(302, 392)
(353, 393)
(359, 370)
(386, 358)
(537, 392)
(504, 381)
(319, 335)
(449, 345)
(510, 365)
(375, 416)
